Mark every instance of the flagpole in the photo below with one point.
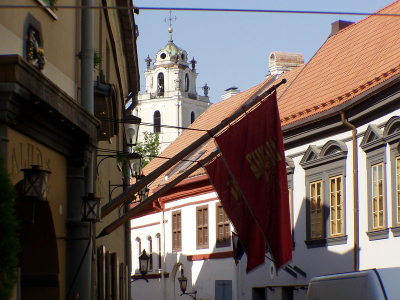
(133, 189)
(142, 205)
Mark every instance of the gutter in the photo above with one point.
(356, 248)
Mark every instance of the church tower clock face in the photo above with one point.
(170, 102)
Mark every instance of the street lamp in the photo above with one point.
(36, 183)
(131, 126)
(183, 286)
(91, 208)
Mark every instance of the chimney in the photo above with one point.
(280, 62)
(230, 92)
(339, 25)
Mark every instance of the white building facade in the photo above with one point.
(340, 116)
(170, 102)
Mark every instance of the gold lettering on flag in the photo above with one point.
(263, 158)
(234, 189)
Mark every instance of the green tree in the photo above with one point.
(149, 148)
(9, 241)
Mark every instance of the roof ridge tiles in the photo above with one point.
(348, 95)
(375, 14)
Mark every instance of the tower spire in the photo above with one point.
(170, 30)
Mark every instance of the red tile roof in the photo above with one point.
(351, 62)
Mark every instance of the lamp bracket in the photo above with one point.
(133, 280)
(190, 294)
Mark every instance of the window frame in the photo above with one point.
(374, 147)
(290, 171)
(157, 122)
(160, 84)
(338, 207)
(176, 231)
(318, 187)
(202, 227)
(225, 222)
(391, 135)
(150, 253)
(321, 165)
(187, 82)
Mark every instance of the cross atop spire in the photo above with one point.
(170, 19)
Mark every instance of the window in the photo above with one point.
(374, 146)
(336, 205)
(398, 191)
(391, 135)
(223, 227)
(377, 197)
(186, 82)
(325, 205)
(158, 236)
(139, 252)
(176, 231)
(150, 253)
(202, 227)
(160, 84)
(316, 210)
(289, 172)
(192, 117)
(157, 122)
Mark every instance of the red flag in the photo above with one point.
(238, 213)
(253, 149)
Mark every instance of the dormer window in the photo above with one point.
(163, 55)
(160, 84)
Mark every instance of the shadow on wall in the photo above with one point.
(218, 279)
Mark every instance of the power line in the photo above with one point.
(155, 125)
(238, 10)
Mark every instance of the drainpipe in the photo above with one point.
(127, 207)
(86, 55)
(355, 192)
(79, 245)
(164, 257)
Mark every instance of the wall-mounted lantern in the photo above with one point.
(36, 183)
(135, 163)
(91, 208)
(183, 286)
(143, 265)
(131, 126)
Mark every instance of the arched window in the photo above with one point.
(160, 84)
(157, 122)
(158, 236)
(150, 253)
(186, 82)
(192, 117)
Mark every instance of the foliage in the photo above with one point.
(9, 241)
(121, 159)
(98, 58)
(149, 148)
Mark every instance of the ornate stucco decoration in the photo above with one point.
(35, 54)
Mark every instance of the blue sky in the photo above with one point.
(231, 48)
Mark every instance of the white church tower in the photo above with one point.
(170, 102)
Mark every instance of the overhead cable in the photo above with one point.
(238, 10)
